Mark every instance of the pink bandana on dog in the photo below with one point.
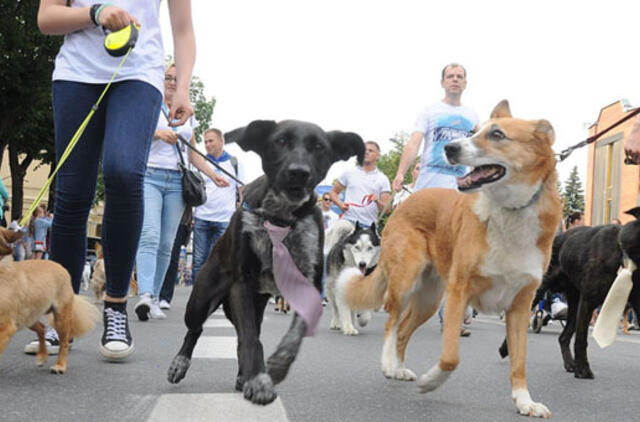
(303, 297)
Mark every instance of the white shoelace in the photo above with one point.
(116, 325)
(51, 335)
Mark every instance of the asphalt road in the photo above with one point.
(336, 378)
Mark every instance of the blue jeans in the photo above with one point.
(163, 208)
(205, 234)
(121, 131)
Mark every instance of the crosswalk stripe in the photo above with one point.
(231, 407)
(217, 323)
(216, 347)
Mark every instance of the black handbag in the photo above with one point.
(194, 191)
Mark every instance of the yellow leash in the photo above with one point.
(72, 144)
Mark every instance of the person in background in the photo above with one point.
(163, 201)
(407, 189)
(182, 239)
(367, 189)
(212, 218)
(328, 216)
(575, 219)
(119, 136)
(39, 227)
(4, 198)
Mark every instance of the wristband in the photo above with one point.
(92, 13)
(98, 10)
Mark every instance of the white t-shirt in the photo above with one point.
(82, 57)
(221, 202)
(164, 155)
(399, 197)
(328, 218)
(359, 184)
(441, 123)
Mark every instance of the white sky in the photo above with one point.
(370, 66)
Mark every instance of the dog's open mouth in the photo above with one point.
(481, 175)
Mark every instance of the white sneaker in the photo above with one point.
(164, 305)
(156, 312)
(143, 307)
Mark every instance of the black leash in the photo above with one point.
(188, 145)
(628, 160)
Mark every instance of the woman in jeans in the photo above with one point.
(120, 131)
(163, 203)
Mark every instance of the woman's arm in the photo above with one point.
(56, 18)
(202, 165)
(184, 47)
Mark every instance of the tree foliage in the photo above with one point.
(572, 194)
(26, 64)
(388, 163)
(203, 107)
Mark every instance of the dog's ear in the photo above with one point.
(6, 238)
(634, 212)
(253, 136)
(357, 226)
(501, 110)
(346, 144)
(373, 227)
(544, 127)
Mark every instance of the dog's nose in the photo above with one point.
(362, 265)
(298, 173)
(452, 149)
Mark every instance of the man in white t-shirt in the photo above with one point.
(328, 216)
(212, 218)
(367, 189)
(439, 124)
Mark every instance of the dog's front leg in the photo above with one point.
(280, 361)
(453, 314)
(517, 318)
(585, 311)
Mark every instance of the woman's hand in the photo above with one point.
(115, 18)
(167, 135)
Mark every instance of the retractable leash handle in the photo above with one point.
(119, 42)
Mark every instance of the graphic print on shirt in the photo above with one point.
(447, 128)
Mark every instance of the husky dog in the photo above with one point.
(357, 247)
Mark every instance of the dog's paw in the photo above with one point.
(41, 359)
(178, 369)
(528, 407)
(58, 369)
(404, 374)
(349, 331)
(278, 365)
(432, 379)
(260, 390)
(583, 372)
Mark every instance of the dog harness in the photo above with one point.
(301, 294)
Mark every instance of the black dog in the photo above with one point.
(238, 273)
(584, 264)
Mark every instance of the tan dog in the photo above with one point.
(489, 248)
(31, 289)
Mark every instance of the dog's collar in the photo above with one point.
(532, 200)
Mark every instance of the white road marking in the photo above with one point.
(622, 338)
(216, 347)
(230, 407)
(217, 323)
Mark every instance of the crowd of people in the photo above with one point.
(134, 134)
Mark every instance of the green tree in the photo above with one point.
(26, 64)
(202, 107)
(388, 163)
(572, 194)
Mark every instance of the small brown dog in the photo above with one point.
(33, 288)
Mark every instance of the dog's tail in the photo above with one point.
(359, 292)
(338, 231)
(85, 316)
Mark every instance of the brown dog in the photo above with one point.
(488, 248)
(31, 289)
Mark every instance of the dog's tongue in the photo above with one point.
(478, 173)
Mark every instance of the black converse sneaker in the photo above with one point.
(116, 343)
(51, 341)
